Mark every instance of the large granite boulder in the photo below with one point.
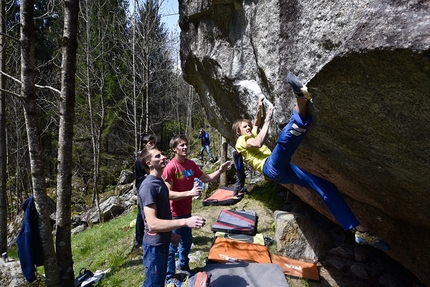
(367, 64)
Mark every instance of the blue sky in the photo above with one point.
(168, 10)
(169, 13)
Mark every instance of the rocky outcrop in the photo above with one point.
(297, 237)
(11, 274)
(303, 233)
(367, 64)
(113, 206)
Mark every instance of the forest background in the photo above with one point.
(80, 82)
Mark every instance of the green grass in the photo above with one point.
(108, 245)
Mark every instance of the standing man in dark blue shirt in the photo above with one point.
(206, 144)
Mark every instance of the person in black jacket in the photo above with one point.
(239, 186)
(146, 141)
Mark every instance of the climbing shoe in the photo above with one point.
(299, 89)
(367, 238)
(173, 282)
(184, 269)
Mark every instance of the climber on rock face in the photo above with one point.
(277, 165)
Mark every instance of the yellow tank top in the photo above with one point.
(256, 157)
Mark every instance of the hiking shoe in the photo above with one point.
(173, 282)
(137, 246)
(299, 89)
(268, 241)
(185, 269)
(367, 238)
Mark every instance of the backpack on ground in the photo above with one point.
(83, 275)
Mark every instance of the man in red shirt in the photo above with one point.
(179, 176)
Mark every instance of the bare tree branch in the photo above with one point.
(48, 88)
(37, 86)
(10, 77)
(10, 93)
(9, 36)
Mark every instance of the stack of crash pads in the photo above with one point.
(239, 256)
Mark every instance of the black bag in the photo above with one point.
(200, 279)
(83, 275)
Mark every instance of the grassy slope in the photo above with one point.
(108, 245)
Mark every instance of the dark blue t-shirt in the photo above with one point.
(154, 190)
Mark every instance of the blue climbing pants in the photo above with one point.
(278, 167)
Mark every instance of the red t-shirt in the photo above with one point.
(182, 176)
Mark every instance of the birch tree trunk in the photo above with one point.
(137, 130)
(96, 46)
(34, 144)
(65, 141)
(3, 178)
